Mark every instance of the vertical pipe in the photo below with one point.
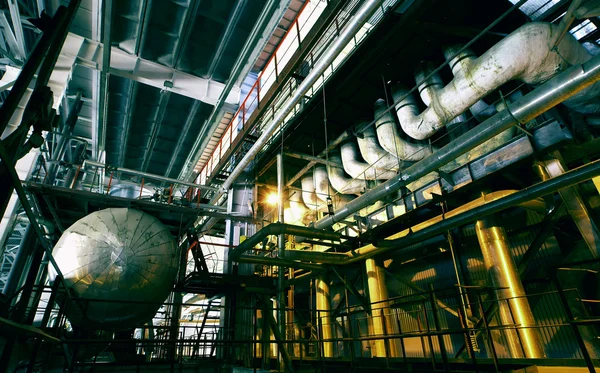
(25, 249)
(323, 307)
(281, 251)
(378, 296)
(504, 276)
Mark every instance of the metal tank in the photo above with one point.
(115, 255)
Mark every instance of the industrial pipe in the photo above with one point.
(512, 301)
(558, 89)
(325, 190)
(527, 54)
(354, 25)
(323, 303)
(359, 169)
(342, 183)
(373, 153)
(389, 136)
(383, 323)
(280, 228)
(129, 171)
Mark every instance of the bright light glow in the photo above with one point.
(272, 199)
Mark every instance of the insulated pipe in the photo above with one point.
(342, 183)
(526, 55)
(26, 247)
(428, 87)
(389, 134)
(354, 25)
(358, 169)
(323, 303)
(417, 234)
(324, 189)
(309, 194)
(374, 154)
(462, 62)
(382, 321)
(561, 87)
(512, 302)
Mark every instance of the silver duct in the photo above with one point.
(527, 54)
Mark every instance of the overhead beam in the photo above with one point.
(158, 119)
(184, 134)
(264, 27)
(88, 52)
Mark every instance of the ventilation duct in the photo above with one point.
(527, 55)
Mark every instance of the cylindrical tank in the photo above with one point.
(113, 255)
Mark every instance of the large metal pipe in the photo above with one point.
(129, 171)
(543, 98)
(357, 168)
(323, 303)
(574, 203)
(527, 55)
(373, 153)
(389, 136)
(383, 323)
(281, 302)
(512, 302)
(342, 183)
(325, 190)
(280, 228)
(354, 25)
(26, 247)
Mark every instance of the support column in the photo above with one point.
(383, 323)
(280, 252)
(504, 275)
(323, 303)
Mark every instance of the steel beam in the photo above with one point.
(15, 17)
(87, 53)
(184, 134)
(272, 13)
(156, 124)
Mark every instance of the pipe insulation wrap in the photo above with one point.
(526, 55)
(568, 84)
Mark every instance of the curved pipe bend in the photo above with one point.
(324, 189)
(526, 55)
(342, 183)
(390, 139)
(373, 153)
(359, 169)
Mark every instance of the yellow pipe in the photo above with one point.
(382, 321)
(503, 273)
(324, 314)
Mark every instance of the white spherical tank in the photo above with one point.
(113, 255)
